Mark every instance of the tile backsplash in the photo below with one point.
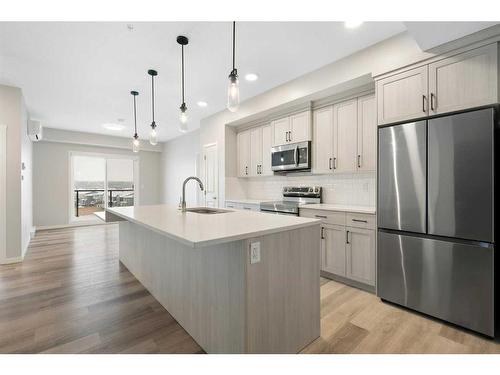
(353, 189)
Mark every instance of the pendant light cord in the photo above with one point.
(182, 53)
(135, 118)
(234, 42)
(153, 96)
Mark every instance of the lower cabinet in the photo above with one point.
(360, 255)
(333, 249)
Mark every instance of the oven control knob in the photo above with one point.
(316, 190)
(310, 190)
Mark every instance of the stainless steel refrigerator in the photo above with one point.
(436, 217)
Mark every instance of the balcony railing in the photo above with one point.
(88, 201)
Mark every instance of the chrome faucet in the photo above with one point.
(183, 203)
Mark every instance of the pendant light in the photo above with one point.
(135, 142)
(233, 89)
(183, 117)
(153, 137)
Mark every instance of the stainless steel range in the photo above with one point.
(293, 198)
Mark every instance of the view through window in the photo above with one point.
(100, 182)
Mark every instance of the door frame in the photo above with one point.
(3, 193)
(105, 156)
(204, 170)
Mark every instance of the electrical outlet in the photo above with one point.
(254, 252)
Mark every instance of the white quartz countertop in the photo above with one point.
(341, 207)
(198, 230)
(248, 201)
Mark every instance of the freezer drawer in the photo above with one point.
(402, 177)
(449, 280)
(460, 183)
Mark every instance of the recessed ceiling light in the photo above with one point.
(352, 24)
(202, 104)
(112, 126)
(251, 77)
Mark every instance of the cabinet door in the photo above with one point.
(243, 143)
(345, 127)
(300, 127)
(402, 96)
(463, 81)
(280, 129)
(266, 151)
(323, 140)
(367, 134)
(333, 242)
(360, 254)
(255, 151)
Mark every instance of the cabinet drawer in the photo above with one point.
(360, 220)
(327, 217)
(250, 207)
(233, 205)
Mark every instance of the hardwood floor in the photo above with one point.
(71, 295)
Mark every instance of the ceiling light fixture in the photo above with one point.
(352, 24)
(202, 104)
(183, 117)
(251, 77)
(113, 127)
(135, 141)
(153, 136)
(233, 89)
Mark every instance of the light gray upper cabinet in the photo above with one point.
(461, 81)
(367, 134)
(402, 96)
(464, 81)
(345, 136)
(254, 152)
(243, 147)
(292, 129)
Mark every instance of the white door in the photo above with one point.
(360, 253)
(266, 151)
(463, 81)
(280, 131)
(323, 140)
(367, 134)
(243, 145)
(210, 175)
(345, 127)
(300, 127)
(3, 192)
(333, 242)
(402, 96)
(255, 151)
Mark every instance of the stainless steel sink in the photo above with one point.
(206, 210)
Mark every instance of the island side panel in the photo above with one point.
(283, 292)
(203, 289)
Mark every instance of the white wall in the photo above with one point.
(179, 160)
(51, 180)
(18, 207)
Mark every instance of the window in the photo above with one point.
(100, 181)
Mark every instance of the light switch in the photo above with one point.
(254, 252)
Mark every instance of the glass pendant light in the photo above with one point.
(183, 117)
(153, 136)
(135, 142)
(233, 89)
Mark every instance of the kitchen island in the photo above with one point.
(237, 281)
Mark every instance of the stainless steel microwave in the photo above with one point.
(296, 156)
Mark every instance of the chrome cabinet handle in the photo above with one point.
(246, 170)
(360, 221)
(334, 163)
(321, 216)
(347, 237)
(322, 233)
(246, 208)
(330, 163)
(359, 161)
(286, 137)
(432, 102)
(290, 136)
(423, 103)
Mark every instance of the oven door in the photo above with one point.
(290, 157)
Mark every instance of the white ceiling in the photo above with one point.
(77, 76)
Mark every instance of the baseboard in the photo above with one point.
(72, 225)
(11, 260)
